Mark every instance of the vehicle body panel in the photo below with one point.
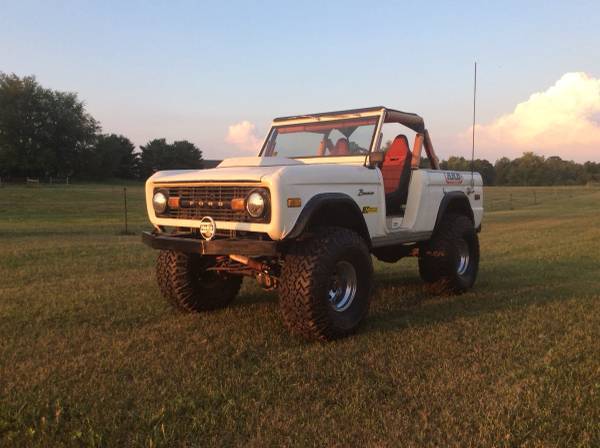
(303, 178)
(361, 183)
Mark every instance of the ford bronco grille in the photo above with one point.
(198, 201)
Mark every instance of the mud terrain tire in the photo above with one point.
(326, 284)
(450, 260)
(185, 282)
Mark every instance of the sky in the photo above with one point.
(216, 73)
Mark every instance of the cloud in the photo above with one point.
(563, 120)
(243, 135)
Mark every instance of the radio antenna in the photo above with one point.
(473, 135)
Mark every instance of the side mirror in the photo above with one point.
(376, 158)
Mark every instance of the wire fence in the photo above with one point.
(35, 181)
(43, 207)
(494, 198)
(511, 198)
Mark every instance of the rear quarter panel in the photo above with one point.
(427, 189)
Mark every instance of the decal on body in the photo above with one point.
(453, 178)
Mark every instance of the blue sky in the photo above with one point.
(189, 70)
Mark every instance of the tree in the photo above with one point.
(112, 156)
(488, 173)
(502, 169)
(527, 170)
(42, 131)
(591, 172)
(186, 154)
(159, 155)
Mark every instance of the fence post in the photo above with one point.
(125, 208)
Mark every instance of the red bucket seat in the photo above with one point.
(396, 174)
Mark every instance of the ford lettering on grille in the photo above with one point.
(198, 201)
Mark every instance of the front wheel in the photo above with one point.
(187, 281)
(450, 260)
(326, 284)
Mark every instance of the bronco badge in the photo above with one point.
(362, 192)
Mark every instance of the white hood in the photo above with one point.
(258, 161)
(238, 169)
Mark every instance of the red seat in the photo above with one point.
(341, 147)
(396, 174)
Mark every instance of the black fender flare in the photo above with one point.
(453, 200)
(321, 200)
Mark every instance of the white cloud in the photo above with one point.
(563, 120)
(243, 135)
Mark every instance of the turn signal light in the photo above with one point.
(294, 202)
(173, 202)
(238, 204)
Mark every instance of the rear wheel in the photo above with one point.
(185, 280)
(326, 284)
(450, 260)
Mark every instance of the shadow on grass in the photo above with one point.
(402, 302)
(254, 296)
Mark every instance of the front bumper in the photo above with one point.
(186, 243)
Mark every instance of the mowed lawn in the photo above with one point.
(91, 355)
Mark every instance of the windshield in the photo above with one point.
(323, 139)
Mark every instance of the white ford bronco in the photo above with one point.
(325, 192)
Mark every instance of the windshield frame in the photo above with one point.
(379, 115)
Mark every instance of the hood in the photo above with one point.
(258, 161)
(240, 169)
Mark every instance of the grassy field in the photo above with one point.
(91, 355)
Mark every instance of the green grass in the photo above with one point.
(91, 355)
(511, 198)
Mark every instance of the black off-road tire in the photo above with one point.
(440, 257)
(163, 275)
(185, 282)
(306, 280)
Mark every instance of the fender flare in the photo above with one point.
(450, 198)
(317, 202)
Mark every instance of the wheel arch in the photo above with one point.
(454, 202)
(330, 209)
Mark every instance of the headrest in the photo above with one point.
(341, 147)
(398, 150)
(401, 140)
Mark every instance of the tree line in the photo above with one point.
(529, 169)
(48, 133)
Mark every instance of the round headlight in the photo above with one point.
(160, 201)
(255, 204)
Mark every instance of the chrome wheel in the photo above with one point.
(463, 257)
(343, 286)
